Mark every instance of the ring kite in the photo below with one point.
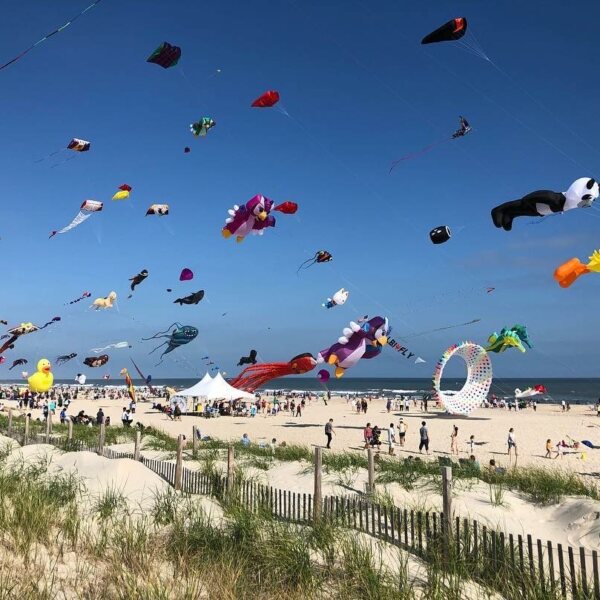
(478, 382)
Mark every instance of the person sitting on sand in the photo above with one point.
(474, 462)
(245, 441)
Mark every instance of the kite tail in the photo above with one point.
(418, 153)
(310, 260)
(157, 347)
(162, 332)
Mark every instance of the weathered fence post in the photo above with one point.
(318, 492)
(136, 447)
(447, 509)
(70, 431)
(10, 419)
(26, 435)
(48, 426)
(371, 468)
(194, 441)
(101, 438)
(179, 461)
(230, 468)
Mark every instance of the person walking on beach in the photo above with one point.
(563, 405)
(472, 445)
(364, 405)
(548, 448)
(454, 440)
(402, 428)
(391, 439)
(512, 442)
(424, 434)
(329, 432)
(299, 409)
(388, 404)
(367, 435)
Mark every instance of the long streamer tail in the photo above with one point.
(418, 153)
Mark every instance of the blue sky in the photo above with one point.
(360, 92)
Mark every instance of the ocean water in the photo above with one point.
(575, 391)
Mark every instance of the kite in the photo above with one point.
(64, 358)
(201, 127)
(191, 299)
(323, 376)
(513, 337)
(16, 363)
(490, 290)
(158, 209)
(338, 299)
(165, 55)
(357, 341)
(450, 31)
(54, 320)
(105, 302)
(187, 150)
(146, 379)
(80, 378)
(255, 376)
(254, 217)
(117, 346)
(570, 271)
(169, 290)
(82, 297)
(463, 129)
(96, 361)
(48, 35)
(3, 322)
(581, 194)
(86, 210)
(137, 279)
(266, 100)
(529, 392)
(181, 335)
(248, 360)
(106, 376)
(322, 256)
(440, 234)
(186, 275)
(79, 145)
(2, 360)
(123, 193)
(41, 381)
(129, 383)
(15, 333)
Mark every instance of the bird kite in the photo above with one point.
(322, 256)
(191, 299)
(266, 100)
(570, 271)
(86, 210)
(166, 55)
(123, 193)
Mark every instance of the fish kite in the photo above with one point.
(513, 337)
(158, 209)
(322, 256)
(581, 194)
(254, 217)
(255, 376)
(337, 299)
(248, 360)
(16, 363)
(86, 210)
(200, 128)
(186, 275)
(181, 335)
(123, 193)
(64, 358)
(82, 297)
(96, 361)
(573, 269)
(266, 100)
(105, 302)
(117, 346)
(191, 299)
(165, 55)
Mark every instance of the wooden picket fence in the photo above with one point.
(484, 554)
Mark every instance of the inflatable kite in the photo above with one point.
(79, 145)
(186, 275)
(137, 279)
(255, 376)
(323, 376)
(87, 209)
(200, 128)
(105, 302)
(187, 150)
(191, 299)
(165, 55)
(181, 335)
(248, 360)
(513, 337)
(123, 193)
(357, 342)
(338, 299)
(158, 209)
(64, 358)
(581, 194)
(82, 297)
(146, 379)
(266, 100)
(451, 31)
(129, 384)
(322, 256)
(96, 361)
(80, 378)
(117, 346)
(440, 235)
(529, 392)
(479, 378)
(41, 381)
(15, 333)
(254, 217)
(573, 269)
(462, 130)
(16, 363)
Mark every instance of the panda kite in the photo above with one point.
(581, 194)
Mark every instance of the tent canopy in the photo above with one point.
(198, 388)
(215, 388)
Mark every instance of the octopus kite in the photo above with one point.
(513, 337)
(181, 335)
(322, 256)
(255, 376)
(254, 217)
(357, 341)
(573, 269)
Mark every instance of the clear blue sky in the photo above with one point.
(360, 91)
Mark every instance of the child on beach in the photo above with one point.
(472, 445)
(512, 442)
(453, 440)
(548, 448)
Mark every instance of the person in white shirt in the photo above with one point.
(512, 442)
(391, 439)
